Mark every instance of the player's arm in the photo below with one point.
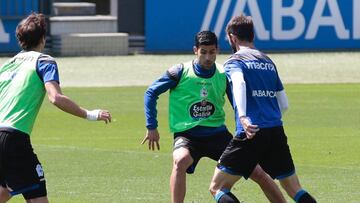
(229, 92)
(66, 104)
(48, 72)
(239, 98)
(282, 101)
(168, 81)
(281, 95)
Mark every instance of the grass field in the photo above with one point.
(141, 70)
(93, 162)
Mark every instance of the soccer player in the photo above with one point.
(259, 100)
(196, 116)
(24, 80)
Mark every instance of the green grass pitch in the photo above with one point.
(93, 162)
(90, 162)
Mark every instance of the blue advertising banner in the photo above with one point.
(8, 43)
(11, 12)
(170, 26)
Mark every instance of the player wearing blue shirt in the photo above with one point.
(196, 116)
(24, 81)
(259, 99)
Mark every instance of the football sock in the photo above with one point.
(225, 196)
(304, 197)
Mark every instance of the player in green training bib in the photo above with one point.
(204, 103)
(24, 81)
(196, 116)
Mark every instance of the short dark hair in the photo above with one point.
(31, 30)
(241, 26)
(206, 38)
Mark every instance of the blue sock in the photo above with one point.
(225, 196)
(304, 197)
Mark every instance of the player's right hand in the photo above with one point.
(250, 129)
(153, 137)
(104, 115)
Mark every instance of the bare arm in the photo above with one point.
(66, 104)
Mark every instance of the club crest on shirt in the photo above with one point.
(203, 92)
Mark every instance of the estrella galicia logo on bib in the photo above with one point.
(202, 110)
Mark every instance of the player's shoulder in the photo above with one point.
(45, 58)
(175, 71)
(262, 55)
(233, 61)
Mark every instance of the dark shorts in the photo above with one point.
(20, 169)
(268, 148)
(211, 146)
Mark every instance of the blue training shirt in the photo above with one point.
(262, 82)
(168, 81)
(47, 69)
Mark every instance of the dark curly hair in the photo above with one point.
(31, 30)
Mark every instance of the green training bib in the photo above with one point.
(21, 92)
(197, 101)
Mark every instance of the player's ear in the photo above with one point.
(231, 37)
(195, 49)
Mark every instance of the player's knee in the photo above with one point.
(4, 195)
(182, 163)
(258, 175)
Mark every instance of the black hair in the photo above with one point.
(205, 38)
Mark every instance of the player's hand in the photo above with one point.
(104, 115)
(250, 129)
(153, 137)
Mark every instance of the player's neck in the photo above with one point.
(245, 45)
(37, 49)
